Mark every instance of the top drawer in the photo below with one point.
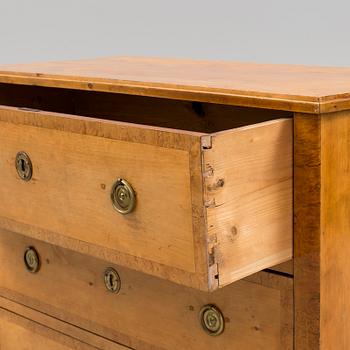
(209, 209)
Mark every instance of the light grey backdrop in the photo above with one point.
(276, 31)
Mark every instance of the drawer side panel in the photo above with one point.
(249, 198)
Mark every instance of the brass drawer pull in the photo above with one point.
(112, 280)
(123, 197)
(212, 320)
(24, 166)
(32, 260)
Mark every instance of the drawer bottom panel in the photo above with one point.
(147, 313)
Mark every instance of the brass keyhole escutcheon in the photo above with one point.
(112, 280)
(31, 260)
(24, 166)
(212, 320)
(123, 197)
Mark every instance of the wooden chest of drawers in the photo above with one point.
(149, 204)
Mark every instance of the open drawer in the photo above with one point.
(200, 209)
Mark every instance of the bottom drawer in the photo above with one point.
(147, 312)
(24, 329)
(16, 337)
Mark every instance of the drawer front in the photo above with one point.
(70, 192)
(147, 312)
(209, 209)
(24, 329)
(76, 162)
(15, 337)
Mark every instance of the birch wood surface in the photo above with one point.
(148, 312)
(284, 87)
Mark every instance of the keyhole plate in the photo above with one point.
(24, 166)
(212, 320)
(112, 280)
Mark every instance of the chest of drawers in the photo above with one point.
(165, 204)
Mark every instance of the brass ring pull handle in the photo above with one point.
(212, 320)
(123, 197)
(31, 260)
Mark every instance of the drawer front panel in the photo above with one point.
(22, 328)
(147, 311)
(15, 337)
(69, 192)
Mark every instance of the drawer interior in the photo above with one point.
(161, 112)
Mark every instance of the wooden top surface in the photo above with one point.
(285, 87)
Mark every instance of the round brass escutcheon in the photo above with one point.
(123, 197)
(112, 280)
(212, 320)
(32, 260)
(24, 166)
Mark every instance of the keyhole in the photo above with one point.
(24, 166)
(112, 280)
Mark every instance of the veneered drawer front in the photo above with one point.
(22, 328)
(75, 163)
(15, 337)
(210, 209)
(70, 192)
(147, 312)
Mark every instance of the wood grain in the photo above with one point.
(24, 329)
(14, 337)
(307, 230)
(322, 244)
(70, 192)
(148, 311)
(249, 198)
(77, 159)
(282, 283)
(286, 267)
(284, 87)
(335, 229)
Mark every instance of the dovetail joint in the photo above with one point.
(209, 171)
(206, 142)
(209, 203)
(211, 258)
